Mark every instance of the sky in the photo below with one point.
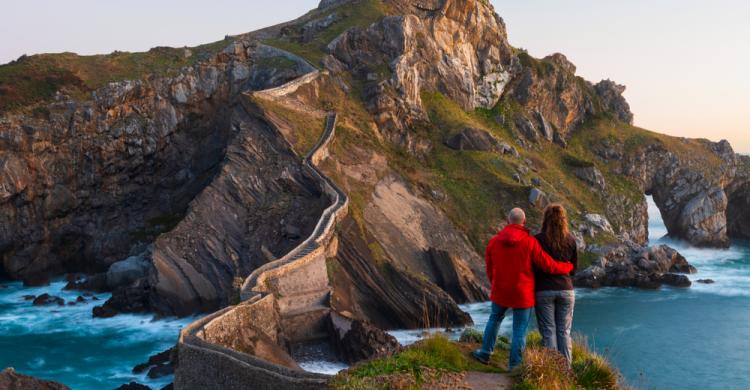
(684, 63)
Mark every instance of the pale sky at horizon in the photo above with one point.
(684, 62)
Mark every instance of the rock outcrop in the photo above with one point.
(11, 380)
(630, 265)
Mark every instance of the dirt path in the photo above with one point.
(487, 381)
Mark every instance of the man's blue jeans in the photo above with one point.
(520, 325)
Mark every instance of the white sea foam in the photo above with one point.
(323, 367)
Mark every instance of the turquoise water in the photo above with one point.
(66, 344)
(696, 338)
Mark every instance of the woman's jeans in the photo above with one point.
(520, 324)
(554, 315)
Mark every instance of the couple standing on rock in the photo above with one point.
(532, 272)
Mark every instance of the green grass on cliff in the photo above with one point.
(302, 129)
(436, 352)
(361, 13)
(543, 369)
(35, 79)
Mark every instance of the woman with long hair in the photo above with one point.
(555, 297)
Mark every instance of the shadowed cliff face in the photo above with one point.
(176, 162)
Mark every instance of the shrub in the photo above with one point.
(545, 369)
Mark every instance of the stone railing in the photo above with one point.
(283, 302)
(323, 230)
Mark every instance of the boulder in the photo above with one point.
(11, 380)
(357, 340)
(125, 272)
(538, 198)
(46, 299)
(599, 222)
(475, 139)
(675, 280)
(165, 358)
(630, 265)
(103, 311)
(591, 176)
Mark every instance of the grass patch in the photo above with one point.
(358, 14)
(301, 129)
(543, 369)
(436, 352)
(36, 79)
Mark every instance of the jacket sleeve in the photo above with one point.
(488, 261)
(545, 263)
(574, 259)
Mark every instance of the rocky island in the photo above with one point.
(333, 176)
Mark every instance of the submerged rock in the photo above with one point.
(46, 299)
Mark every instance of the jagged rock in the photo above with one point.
(357, 340)
(127, 271)
(630, 265)
(133, 386)
(592, 176)
(675, 280)
(475, 139)
(527, 129)
(385, 295)
(103, 311)
(536, 181)
(544, 127)
(455, 278)
(11, 380)
(611, 95)
(599, 222)
(132, 298)
(46, 299)
(538, 198)
(160, 359)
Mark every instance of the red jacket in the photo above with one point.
(509, 258)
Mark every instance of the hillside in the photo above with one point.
(166, 158)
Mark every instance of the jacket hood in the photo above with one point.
(512, 235)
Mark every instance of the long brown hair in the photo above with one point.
(555, 228)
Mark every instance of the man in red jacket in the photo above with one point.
(510, 258)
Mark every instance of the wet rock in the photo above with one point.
(130, 299)
(705, 281)
(676, 280)
(160, 371)
(11, 380)
(127, 271)
(357, 341)
(159, 359)
(37, 280)
(29, 297)
(46, 299)
(95, 283)
(475, 139)
(103, 312)
(133, 386)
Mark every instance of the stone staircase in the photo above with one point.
(299, 280)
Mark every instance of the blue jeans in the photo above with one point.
(554, 315)
(520, 325)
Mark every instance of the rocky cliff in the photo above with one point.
(443, 128)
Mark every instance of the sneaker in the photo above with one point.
(480, 357)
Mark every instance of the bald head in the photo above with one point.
(517, 216)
